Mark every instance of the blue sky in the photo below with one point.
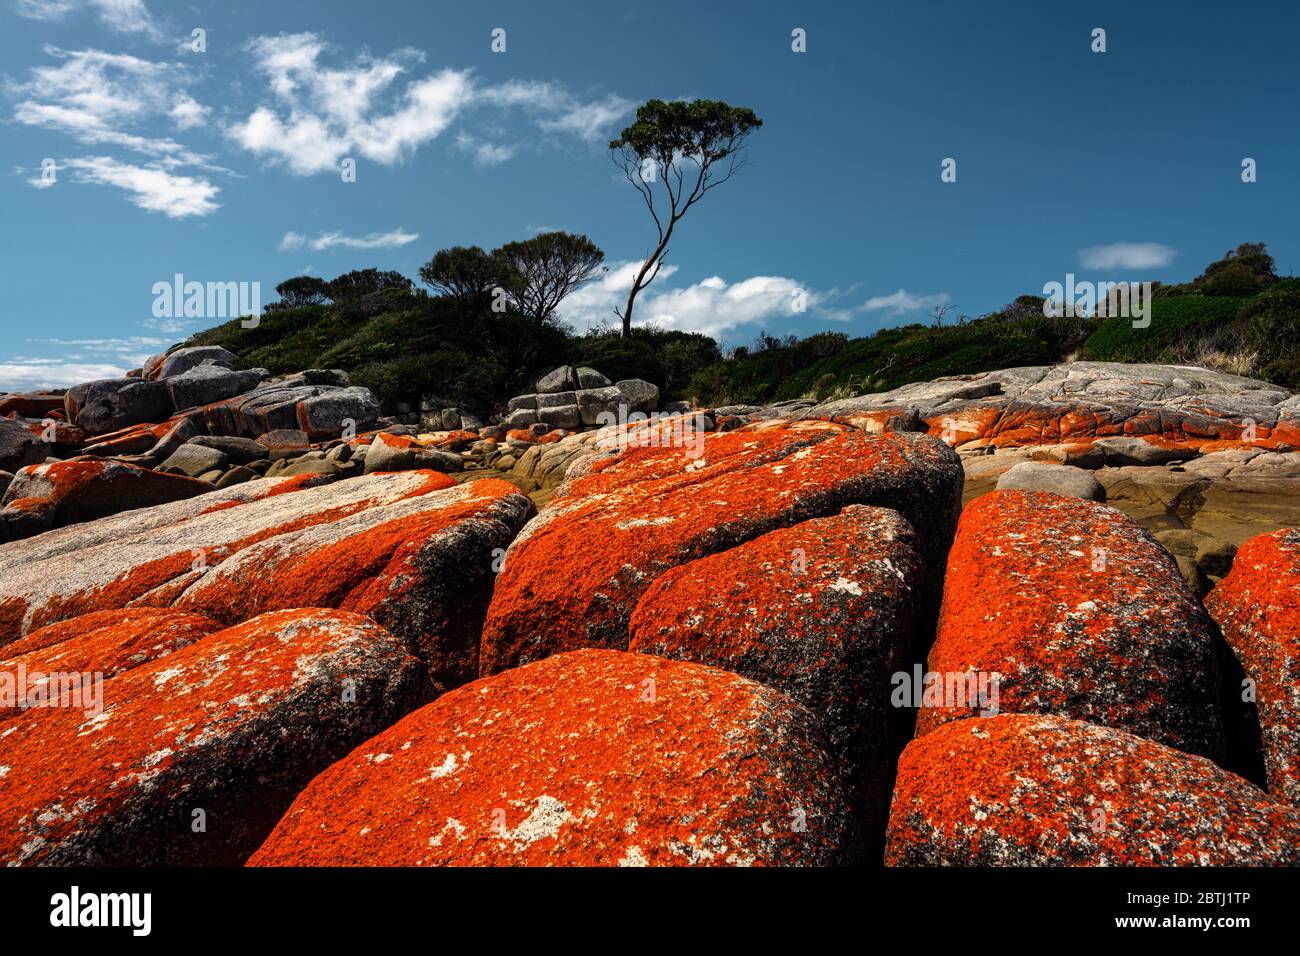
(223, 165)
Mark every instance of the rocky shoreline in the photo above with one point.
(671, 637)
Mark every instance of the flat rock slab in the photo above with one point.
(195, 756)
(1026, 790)
(1258, 608)
(573, 578)
(589, 758)
(413, 549)
(1178, 408)
(1080, 613)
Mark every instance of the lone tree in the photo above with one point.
(541, 271)
(665, 140)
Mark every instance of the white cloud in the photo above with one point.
(294, 241)
(124, 16)
(485, 154)
(318, 114)
(150, 187)
(902, 301)
(711, 306)
(188, 112)
(326, 114)
(95, 96)
(1127, 255)
(555, 109)
(22, 376)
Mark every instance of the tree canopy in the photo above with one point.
(541, 271)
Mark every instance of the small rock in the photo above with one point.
(1057, 479)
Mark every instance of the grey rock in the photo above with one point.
(384, 457)
(19, 447)
(284, 443)
(523, 401)
(330, 413)
(590, 378)
(182, 360)
(561, 416)
(1058, 479)
(562, 379)
(194, 460)
(109, 404)
(521, 418)
(555, 399)
(237, 476)
(641, 396)
(205, 384)
(595, 402)
(1126, 450)
(240, 451)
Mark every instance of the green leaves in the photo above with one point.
(704, 130)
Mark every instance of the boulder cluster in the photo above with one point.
(794, 635)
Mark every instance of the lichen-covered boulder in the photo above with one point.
(422, 566)
(84, 489)
(412, 549)
(37, 404)
(103, 643)
(1037, 790)
(1079, 613)
(825, 611)
(573, 578)
(1258, 608)
(388, 452)
(592, 758)
(195, 756)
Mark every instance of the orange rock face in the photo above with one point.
(84, 489)
(422, 567)
(574, 576)
(405, 548)
(1033, 790)
(1081, 614)
(824, 611)
(195, 755)
(105, 642)
(1258, 608)
(591, 758)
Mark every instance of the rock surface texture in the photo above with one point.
(591, 758)
(1079, 613)
(573, 577)
(224, 732)
(1258, 608)
(1035, 790)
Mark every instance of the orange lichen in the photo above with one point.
(1035, 790)
(589, 758)
(1081, 614)
(1258, 607)
(574, 578)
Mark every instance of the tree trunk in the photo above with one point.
(627, 312)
